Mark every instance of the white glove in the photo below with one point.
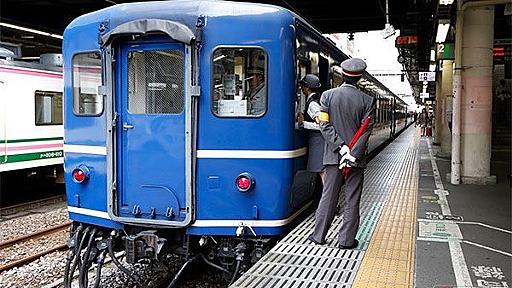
(343, 165)
(344, 150)
(347, 160)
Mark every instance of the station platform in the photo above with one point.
(416, 231)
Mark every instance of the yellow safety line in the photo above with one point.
(389, 259)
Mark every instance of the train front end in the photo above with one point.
(128, 131)
(138, 176)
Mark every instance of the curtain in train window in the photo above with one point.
(239, 82)
(156, 82)
(86, 80)
(48, 108)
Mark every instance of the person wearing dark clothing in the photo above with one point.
(309, 85)
(423, 122)
(343, 111)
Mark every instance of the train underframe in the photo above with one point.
(88, 245)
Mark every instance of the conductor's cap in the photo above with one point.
(353, 67)
(310, 81)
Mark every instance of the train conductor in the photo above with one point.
(343, 111)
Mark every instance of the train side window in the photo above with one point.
(239, 82)
(86, 80)
(48, 108)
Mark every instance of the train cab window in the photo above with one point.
(239, 82)
(156, 82)
(86, 80)
(48, 108)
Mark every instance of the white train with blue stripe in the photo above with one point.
(180, 127)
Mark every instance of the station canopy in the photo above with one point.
(415, 18)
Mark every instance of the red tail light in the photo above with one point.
(80, 174)
(244, 182)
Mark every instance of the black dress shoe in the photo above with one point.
(356, 243)
(310, 238)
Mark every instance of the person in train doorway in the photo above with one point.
(256, 93)
(309, 86)
(343, 111)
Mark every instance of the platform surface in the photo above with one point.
(416, 231)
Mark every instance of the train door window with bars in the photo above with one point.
(155, 79)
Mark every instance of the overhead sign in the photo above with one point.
(406, 40)
(424, 95)
(445, 51)
(502, 54)
(427, 76)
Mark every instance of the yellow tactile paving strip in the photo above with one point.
(389, 259)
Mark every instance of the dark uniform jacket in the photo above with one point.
(347, 107)
(316, 141)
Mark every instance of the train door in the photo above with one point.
(392, 117)
(3, 123)
(323, 66)
(152, 132)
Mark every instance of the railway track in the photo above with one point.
(31, 239)
(25, 207)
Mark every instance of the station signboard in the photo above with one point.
(427, 76)
(445, 51)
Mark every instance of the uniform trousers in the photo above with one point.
(327, 207)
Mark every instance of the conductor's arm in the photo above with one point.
(326, 128)
(359, 148)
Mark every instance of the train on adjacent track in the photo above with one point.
(31, 123)
(180, 129)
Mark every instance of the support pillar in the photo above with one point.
(446, 108)
(438, 114)
(476, 95)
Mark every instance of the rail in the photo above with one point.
(31, 236)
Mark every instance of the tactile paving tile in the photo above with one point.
(389, 259)
(295, 262)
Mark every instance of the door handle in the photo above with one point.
(127, 126)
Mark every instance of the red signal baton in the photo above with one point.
(353, 142)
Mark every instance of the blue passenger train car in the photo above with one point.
(180, 126)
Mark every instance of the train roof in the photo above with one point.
(187, 11)
(183, 11)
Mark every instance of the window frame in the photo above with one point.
(35, 108)
(212, 88)
(73, 84)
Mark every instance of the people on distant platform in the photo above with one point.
(424, 122)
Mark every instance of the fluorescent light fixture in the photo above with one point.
(30, 30)
(442, 30)
(432, 55)
(445, 2)
(388, 31)
(218, 58)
